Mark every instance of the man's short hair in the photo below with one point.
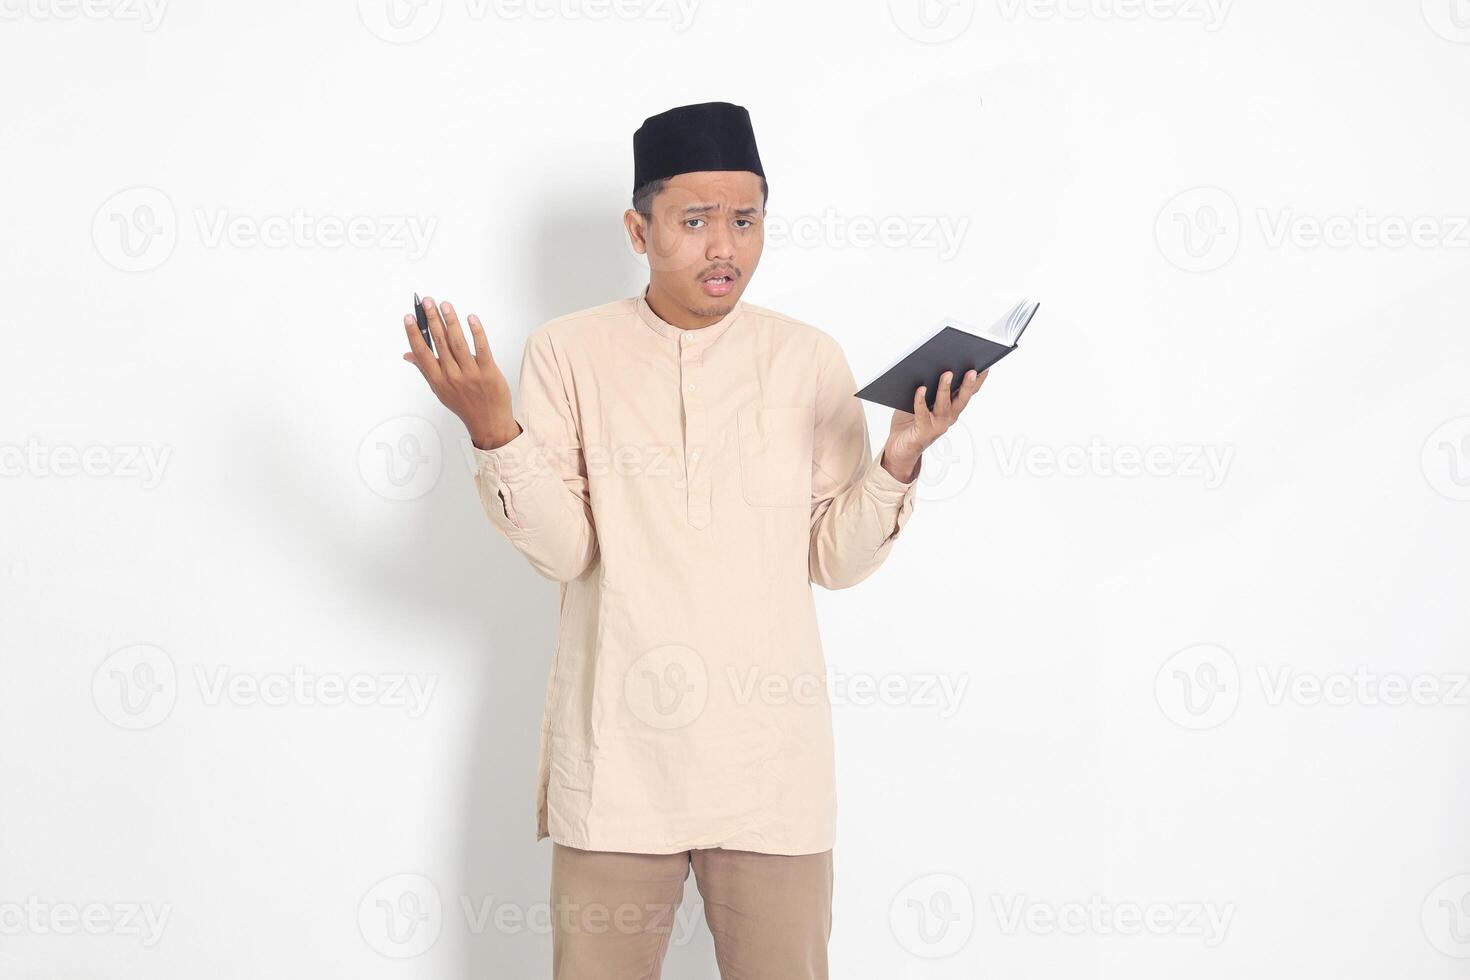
(643, 196)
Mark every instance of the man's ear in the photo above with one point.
(637, 231)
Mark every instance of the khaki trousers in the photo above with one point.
(613, 913)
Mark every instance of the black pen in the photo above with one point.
(418, 311)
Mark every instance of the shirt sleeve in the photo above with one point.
(858, 507)
(534, 488)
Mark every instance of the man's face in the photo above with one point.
(703, 241)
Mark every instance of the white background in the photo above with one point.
(1142, 730)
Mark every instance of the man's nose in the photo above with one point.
(721, 242)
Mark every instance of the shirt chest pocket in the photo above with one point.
(775, 456)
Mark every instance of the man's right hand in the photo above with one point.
(468, 382)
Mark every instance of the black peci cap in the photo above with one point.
(707, 136)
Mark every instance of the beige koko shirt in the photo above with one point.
(686, 488)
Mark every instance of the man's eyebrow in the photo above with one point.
(701, 208)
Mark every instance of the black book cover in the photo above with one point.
(950, 349)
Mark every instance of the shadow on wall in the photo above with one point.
(579, 259)
(438, 560)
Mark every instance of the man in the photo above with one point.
(686, 465)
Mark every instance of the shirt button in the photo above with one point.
(694, 455)
(691, 386)
(688, 338)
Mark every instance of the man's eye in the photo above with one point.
(693, 222)
(744, 222)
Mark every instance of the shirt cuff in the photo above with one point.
(513, 462)
(887, 487)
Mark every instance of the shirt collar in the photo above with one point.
(705, 335)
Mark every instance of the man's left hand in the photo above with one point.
(913, 432)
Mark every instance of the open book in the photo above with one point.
(951, 346)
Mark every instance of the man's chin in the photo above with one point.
(710, 306)
(716, 311)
